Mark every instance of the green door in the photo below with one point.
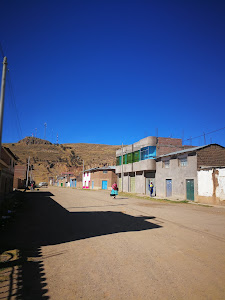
(132, 184)
(61, 184)
(190, 189)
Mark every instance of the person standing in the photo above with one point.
(114, 191)
(151, 186)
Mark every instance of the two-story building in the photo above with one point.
(136, 166)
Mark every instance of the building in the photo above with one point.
(100, 178)
(211, 185)
(20, 175)
(179, 174)
(7, 164)
(86, 179)
(136, 166)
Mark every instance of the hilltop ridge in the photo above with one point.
(52, 159)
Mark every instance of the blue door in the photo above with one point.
(92, 184)
(75, 183)
(168, 187)
(71, 183)
(104, 184)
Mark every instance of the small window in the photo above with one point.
(105, 172)
(166, 164)
(183, 162)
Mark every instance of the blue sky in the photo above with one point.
(113, 72)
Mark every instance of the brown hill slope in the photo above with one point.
(50, 159)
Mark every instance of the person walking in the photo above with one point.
(151, 186)
(114, 191)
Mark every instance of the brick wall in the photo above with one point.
(5, 157)
(20, 171)
(168, 145)
(213, 155)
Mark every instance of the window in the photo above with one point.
(129, 158)
(118, 161)
(148, 152)
(136, 156)
(125, 159)
(183, 162)
(166, 164)
(105, 172)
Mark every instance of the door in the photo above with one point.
(190, 189)
(61, 184)
(104, 184)
(148, 181)
(168, 187)
(92, 185)
(132, 184)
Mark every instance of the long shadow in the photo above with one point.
(44, 222)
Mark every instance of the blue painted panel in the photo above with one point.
(92, 184)
(104, 184)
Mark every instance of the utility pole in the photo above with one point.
(28, 166)
(35, 132)
(2, 98)
(204, 138)
(122, 168)
(45, 124)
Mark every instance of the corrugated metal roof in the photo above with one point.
(187, 150)
(101, 168)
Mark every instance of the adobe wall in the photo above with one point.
(213, 155)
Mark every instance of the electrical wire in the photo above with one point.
(8, 78)
(204, 134)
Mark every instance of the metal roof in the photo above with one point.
(187, 150)
(101, 168)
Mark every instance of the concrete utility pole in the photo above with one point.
(45, 124)
(122, 168)
(2, 98)
(28, 166)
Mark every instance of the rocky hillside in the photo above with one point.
(52, 159)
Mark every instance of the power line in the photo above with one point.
(1, 50)
(204, 134)
(14, 105)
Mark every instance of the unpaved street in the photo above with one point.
(77, 244)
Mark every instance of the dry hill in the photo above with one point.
(52, 159)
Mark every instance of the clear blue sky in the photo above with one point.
(113, 71)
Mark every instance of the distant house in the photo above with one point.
(100, 178)
(179, 174)
(86, 179)
(7, 164)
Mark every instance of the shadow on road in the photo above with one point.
(44, 222)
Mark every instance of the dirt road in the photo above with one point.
(76, 244)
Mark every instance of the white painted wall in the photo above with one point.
(205, 183)
(220, 190)
(86, 179)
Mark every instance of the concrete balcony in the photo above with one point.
(144, 165)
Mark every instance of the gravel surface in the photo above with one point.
(78, 244)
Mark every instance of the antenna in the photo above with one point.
(57, 138)
(45, 124)
(35, 132)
